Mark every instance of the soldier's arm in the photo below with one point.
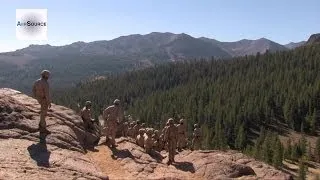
(106, 112)
(34, 89)
(90, 115)
(47, 93)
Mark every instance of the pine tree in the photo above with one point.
(288, 151)
(277, 153)
(302, 174)
(303, 145)
(317, 150)
(309, 156)
(313, 122)
(241, 138)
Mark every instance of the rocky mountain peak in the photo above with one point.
(314, 38)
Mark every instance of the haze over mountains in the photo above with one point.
(77, 61)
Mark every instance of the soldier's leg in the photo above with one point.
(192, 144)
(113, 134)
(197, 144)
(174, 147)
(43, 114)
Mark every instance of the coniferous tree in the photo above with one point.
(241, 138)
(302, 173)
(288, 151)
(303, 145)
(277, 153)
(317, 150)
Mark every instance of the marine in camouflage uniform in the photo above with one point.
(125, 129)
(130, 130)
(136, 128)
(90, 126)
(140, 138)
(182, 135)
(196, 141)
(112, 116)
(41, 92)
(171, 138)
(148, 141)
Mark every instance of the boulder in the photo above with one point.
(60, 155)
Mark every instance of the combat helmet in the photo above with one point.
(149, 132)
(88, 103)
(45, 73)
(116, 102)
(170, 121)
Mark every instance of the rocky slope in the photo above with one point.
(23, 157)
(314, 38)
(63, 155)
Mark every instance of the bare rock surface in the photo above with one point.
(129, 161)
(23, 157)
(63, 155)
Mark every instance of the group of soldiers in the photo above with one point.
(170, 138)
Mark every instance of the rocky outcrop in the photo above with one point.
(314, 38)
(62, 156)
(136, 164)
(23, 157)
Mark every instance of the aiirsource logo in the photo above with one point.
(31, 24)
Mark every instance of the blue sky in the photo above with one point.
(282, 21)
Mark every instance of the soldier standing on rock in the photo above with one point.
(136, 128)
(196, 141)
(41, 92)
(171, 138)
(182, 135)
(112, 115)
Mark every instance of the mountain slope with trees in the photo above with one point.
(244, 103)
(81, 61)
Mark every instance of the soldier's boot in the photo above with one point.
(107, 140)
(169, 162)
(96, 142)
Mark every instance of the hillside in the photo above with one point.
(294, 45)
(314, 39)
(248, 47)
(61, 154)
(81, 61)
(248, 103)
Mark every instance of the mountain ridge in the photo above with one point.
(80, 60)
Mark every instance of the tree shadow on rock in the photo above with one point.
(122, 153)
(40, 153)
(185, 166)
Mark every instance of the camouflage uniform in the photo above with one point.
(136, 129)
(196, 141)
(112, 115)
(156, 140)
(140, 138)
(41, 92)
(182, 135)
(130, 130)
(165, 143)
(171, 138)
(89, 126)
(143, 125)
(125, 129)
(148, 141)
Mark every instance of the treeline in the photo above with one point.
(230, 99)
